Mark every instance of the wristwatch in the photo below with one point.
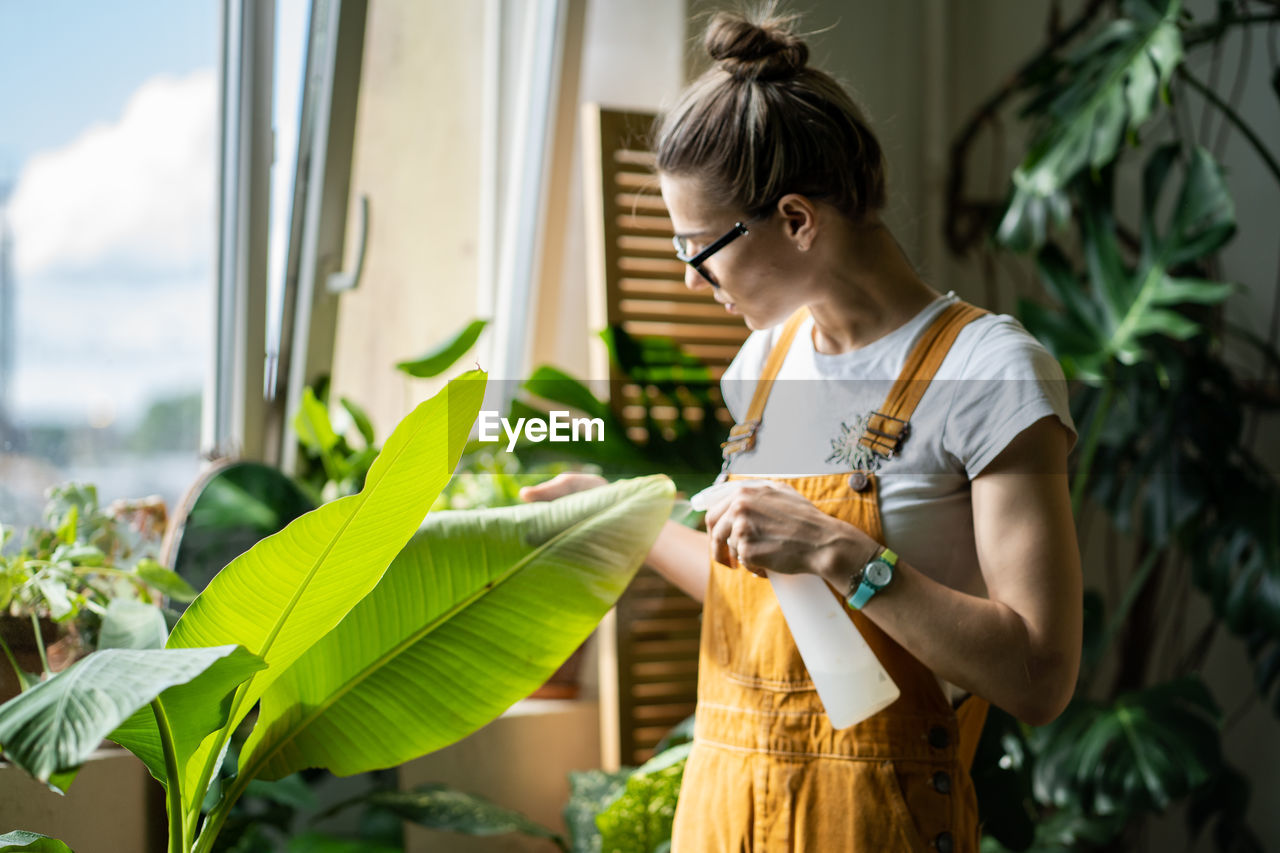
(873, 577)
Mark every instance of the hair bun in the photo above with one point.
(755, 50)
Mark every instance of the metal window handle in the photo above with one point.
(340, 281)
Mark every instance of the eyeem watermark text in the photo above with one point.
(560, 427)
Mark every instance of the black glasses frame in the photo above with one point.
(699, 259)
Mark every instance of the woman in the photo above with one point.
(885, 414)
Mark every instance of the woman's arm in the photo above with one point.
(679, 554)
(1019, 649)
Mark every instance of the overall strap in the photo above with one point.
(890, 426)
(743, 435)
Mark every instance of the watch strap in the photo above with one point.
(860, 596)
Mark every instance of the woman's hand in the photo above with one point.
(561, 485)
(771, 526)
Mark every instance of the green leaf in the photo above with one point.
(80, 555)
(1111, 316)
(1175, 291)
(1107, 89)
(130, 624)
(445, 809)
(292, 588)
(443, 357)
(55, 725)
(1160, 322)
(31, 842)
(475, 613)
(556, 386)
(194, 709)
(1203, 216)
(54, 593)
(291, 791)
(67, 529)
(317, 842)
(312, 424)
(1063, 283)
(590, 793)
(1148, 749)
(361, 419)
(641, 818)
(167, 581)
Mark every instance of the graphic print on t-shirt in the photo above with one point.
(848, 450)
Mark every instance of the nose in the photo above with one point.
(694, 280)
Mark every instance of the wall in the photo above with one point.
(113, 806)
(417, 159)
(630, 58)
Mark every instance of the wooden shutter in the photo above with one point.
(649, 644)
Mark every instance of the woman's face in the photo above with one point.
(757, 273)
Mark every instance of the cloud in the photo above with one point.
(82, 346)
(136, 196)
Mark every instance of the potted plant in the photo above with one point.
(361, 639)
(88, 577)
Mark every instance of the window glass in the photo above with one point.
(108, 145)
(291, 31)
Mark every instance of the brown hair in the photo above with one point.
(761, 123)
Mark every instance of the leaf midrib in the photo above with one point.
(1157, 270)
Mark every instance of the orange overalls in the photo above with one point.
(767, 772)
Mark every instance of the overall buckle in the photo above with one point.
(742, 437)
(885, 437)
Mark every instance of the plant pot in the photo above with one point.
(113, 806)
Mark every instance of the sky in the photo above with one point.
(108, 143)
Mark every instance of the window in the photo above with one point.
(108, 146)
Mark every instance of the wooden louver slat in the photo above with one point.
(649, 645)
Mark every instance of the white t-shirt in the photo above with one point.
(994, 382)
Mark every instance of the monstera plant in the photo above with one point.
(1132, 307)
(362, 635)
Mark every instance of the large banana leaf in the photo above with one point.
(1109, 318)
(1141, 753)
(1107, 88)
(475, 613)
(56, 725)
(292, 588)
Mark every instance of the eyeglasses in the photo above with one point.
(696, 261)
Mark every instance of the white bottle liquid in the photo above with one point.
(850, 680)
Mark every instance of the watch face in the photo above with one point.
(878, 574)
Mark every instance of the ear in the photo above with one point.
(799, 219)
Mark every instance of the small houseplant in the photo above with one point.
(87, 578)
